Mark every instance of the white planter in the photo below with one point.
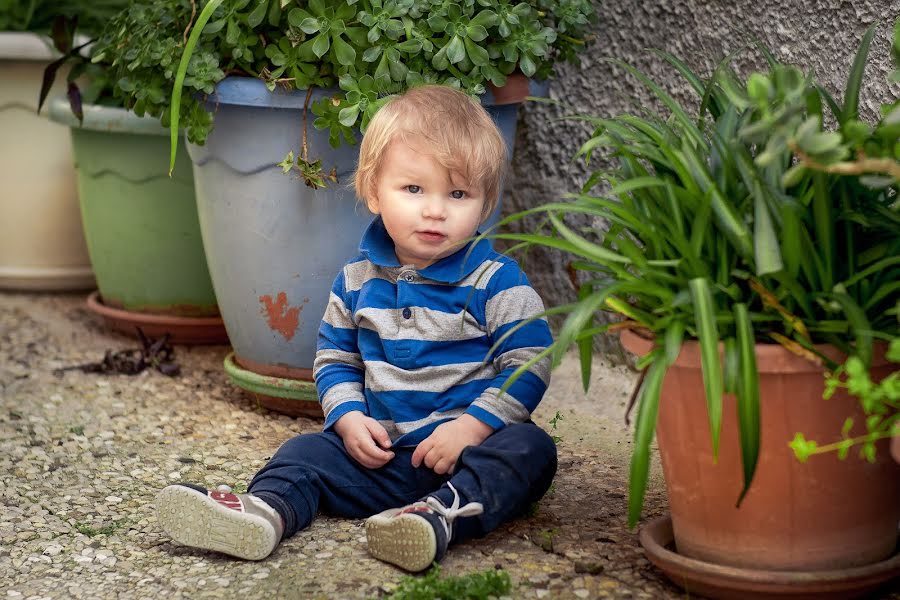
(42, 246)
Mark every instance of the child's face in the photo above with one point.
(428, 211)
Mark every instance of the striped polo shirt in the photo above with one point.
(410, 347)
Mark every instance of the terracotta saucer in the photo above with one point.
(181, 330)
(294, 397)
(731, 583)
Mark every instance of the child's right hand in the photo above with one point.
(362, 437)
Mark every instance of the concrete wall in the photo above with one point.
(821, 35)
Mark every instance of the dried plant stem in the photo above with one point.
(303, 146)
(191, 22)
(861, 166)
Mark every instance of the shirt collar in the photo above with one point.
(378, 247)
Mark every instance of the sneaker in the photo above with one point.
(417, 535)
(241, 525)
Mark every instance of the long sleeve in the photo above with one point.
(510, 300)
(338, 368)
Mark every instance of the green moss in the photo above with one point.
(482, 585)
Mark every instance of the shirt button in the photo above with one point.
(407, 313)
(409, 278)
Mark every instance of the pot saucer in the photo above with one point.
(293, 397)
(733, 583)
(181, 330)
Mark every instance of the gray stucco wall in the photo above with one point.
(821, 35)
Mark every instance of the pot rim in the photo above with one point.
(251, 91)
(30, 46)
(770, 358)
(111, 119)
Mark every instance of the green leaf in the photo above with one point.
(456, 50)
(477, 54)
(233, 33)
(484, 19)
(859, 324)
(259, 13)
(476, 33)
(321, 44)
(202, 20)
(527, 65)
(854, 80)
(347, 117)
(767, 251)
(802, 448)
(439, 60)
(673, 340)
(309, 25)
(648, 409)
(345, 53)
(708, 334)
(747, 396)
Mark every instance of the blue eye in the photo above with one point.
(413, 189)
(457, 194)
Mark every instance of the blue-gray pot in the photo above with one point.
(274, 245)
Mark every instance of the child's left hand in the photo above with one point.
(440, 450)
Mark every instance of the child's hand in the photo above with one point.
(440, 450)
(360, 434)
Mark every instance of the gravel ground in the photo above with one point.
(83, 455)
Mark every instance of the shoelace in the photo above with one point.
(450, 514)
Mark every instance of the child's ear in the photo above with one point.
(372, 203)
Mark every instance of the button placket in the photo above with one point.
(404, 292)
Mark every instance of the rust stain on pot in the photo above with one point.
(281, 317)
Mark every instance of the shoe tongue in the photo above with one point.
(227, 500)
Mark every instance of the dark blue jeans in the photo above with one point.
(509, 471)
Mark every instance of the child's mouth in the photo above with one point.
(431, 236)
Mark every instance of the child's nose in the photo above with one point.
(435, 208)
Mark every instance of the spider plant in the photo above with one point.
(735, 221)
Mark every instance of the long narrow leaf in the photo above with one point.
(859, 325)
(676, 108)
(708, 334)
(585, 248)
(643, 437)
(174, 132)
(559, 244)
(748, 411)
(767, 252)
(585, 344)
(854, 80)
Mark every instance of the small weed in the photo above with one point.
(553, 423)
(77, 430)
(239, 488)
(546, 541)
(89, 531)
(472, 586)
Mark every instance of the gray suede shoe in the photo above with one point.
(416, 535)
(240, 525)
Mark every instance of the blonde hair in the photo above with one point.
(455, 128)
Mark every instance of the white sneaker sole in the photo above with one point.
(191, 518)
(407, 541)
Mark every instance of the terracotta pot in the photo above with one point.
(514, 92)
(895, 444)
(825, 514)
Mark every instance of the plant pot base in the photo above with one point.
(181, 330)
(46, 279)
(731, 583)
(293, 397)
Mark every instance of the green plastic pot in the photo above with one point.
(141, 225)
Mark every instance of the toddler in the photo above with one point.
(421, 331)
